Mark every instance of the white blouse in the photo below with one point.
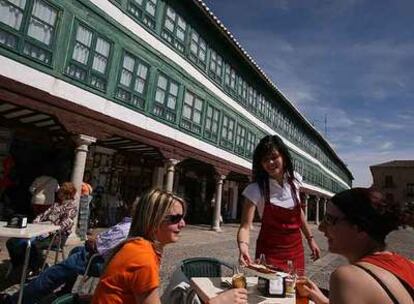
(279, 195)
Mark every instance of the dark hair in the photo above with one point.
(266, 145)
(368, 209)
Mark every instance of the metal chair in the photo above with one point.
(93, 269)
(57, 248)
(203, 267)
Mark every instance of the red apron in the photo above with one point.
(280, 238)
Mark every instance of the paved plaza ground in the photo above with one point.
(199, 240)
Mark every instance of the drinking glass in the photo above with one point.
(300, 299)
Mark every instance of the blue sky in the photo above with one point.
(350, 59)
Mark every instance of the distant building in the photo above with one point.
(395, 179)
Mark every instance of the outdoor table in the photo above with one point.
(207, 288)
(32, 230)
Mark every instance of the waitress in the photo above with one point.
(275, 194)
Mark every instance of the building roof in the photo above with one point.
(396, 164)
(233, 41)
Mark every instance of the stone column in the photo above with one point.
(324, 203)
(158, 177)
(217, 208)
(235, 200)
(82, 143)
(170, 167)
(317, 199)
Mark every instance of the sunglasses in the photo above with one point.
(174, 218)
(331, 220)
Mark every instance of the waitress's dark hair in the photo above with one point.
(267, 145)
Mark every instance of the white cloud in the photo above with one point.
(386, 146)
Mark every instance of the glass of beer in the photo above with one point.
(300, 297)
(238, 280)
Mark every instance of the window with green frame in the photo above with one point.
(250, 143)
(192, 112)
(89, 57)
(242, 89)
(240, 143)
(229, 78)
(174, 29)
(215, 69)
(211, 123)
(269, 112)
(29, 27)
(165, 100)
(198, 50)
(144, 11)
(132, 83)
(227, 132)
(261, 105)
(252, 99)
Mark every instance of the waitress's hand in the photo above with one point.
(314, 248)
(244, 257)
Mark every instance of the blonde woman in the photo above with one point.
(132, 271)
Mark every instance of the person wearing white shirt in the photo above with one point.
(275, 194)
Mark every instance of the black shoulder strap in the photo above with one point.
(389, 293)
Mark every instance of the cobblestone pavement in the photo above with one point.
(199, 240)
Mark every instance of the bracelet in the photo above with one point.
(243, 242)
(309, 237)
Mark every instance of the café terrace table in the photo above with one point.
(207, 288)
(31, 231)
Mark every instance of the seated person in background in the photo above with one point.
(132, 271)
(43, 191)
(61, 213)
(67, 271)
(356, 224)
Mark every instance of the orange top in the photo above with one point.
(398, 265)
(133, 270)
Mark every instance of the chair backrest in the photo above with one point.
(203, 267)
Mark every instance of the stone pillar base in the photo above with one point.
(216, 229)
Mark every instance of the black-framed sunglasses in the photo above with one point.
(331, 220)
(174, 218)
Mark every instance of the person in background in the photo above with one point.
(275, 194)
(132, 271)
(62, 213)
(356, 224)
(67, 271)
(43, 191)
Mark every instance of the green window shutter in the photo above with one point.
(229, 78)
(250, 144)
(174, 29)
(132, 83)
(29, 27)
(198, 50)
(227, 132)
(211, 123)
(144, 11)
(192, 112)
(240, 140)
(165, 99)
(242, 90)
(90, 56)
(215, 70)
